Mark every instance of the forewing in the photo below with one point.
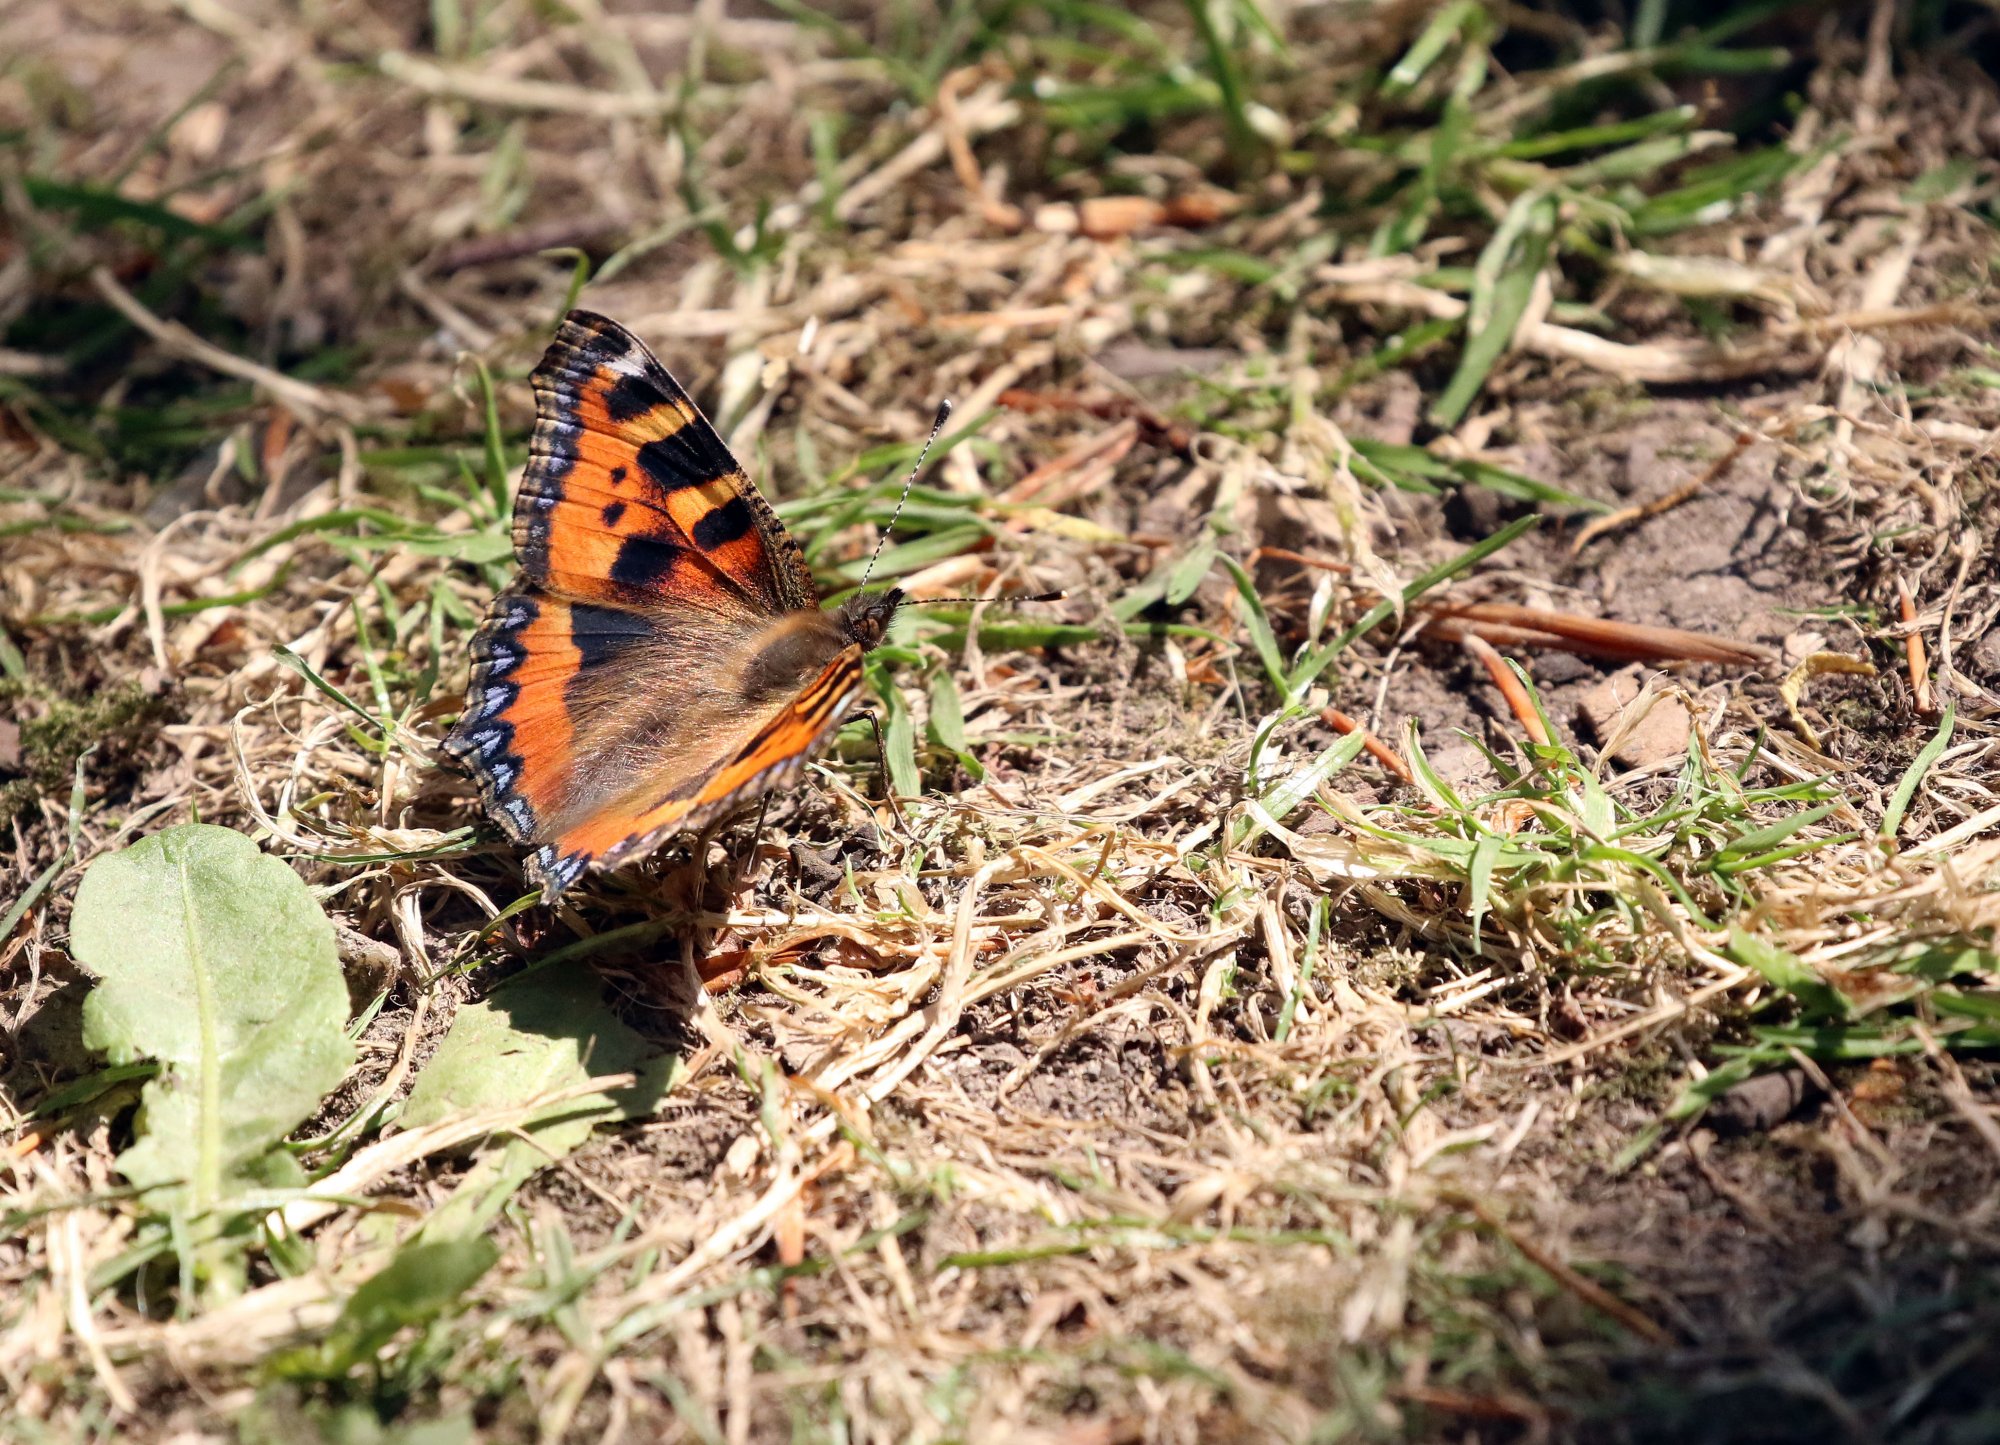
(631, 499)
(768, 747)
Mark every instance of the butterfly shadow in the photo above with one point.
(662, 967)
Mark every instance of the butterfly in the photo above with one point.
(662, 658)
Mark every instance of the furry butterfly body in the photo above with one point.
(662, 658)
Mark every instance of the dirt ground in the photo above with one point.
(1103, 1105)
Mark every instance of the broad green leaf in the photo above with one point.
(946, 723)
(540, 1033)
(1600, 817)
(214, 960)
(898, 737)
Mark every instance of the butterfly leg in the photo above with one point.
(749, 858)
(882, 766)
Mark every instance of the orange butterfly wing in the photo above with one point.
(630, 495)
(516, 732)
(661, 658)
(772, 757)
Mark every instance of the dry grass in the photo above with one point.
(1160, 1084)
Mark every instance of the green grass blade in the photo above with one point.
(1906, 788)
(1257, 622)
(1314, 928)
(1285, 797)
(1479, 882)
(1517, 253)
(1429, 46)
(1381, 612)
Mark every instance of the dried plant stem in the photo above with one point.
(1387, 756)
(1913, 651)
(300, 396)
(1626, 516)
(1589, 1291)
(1509, 683)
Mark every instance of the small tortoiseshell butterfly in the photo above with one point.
(662, 658)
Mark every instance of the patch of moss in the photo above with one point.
(118, 719)
(1651, 1077)
(1611, 404)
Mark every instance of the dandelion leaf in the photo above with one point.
(216, 961)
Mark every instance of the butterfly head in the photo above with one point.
(865, 616)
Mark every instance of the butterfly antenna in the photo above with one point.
(1018, 597)
(943, 416)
